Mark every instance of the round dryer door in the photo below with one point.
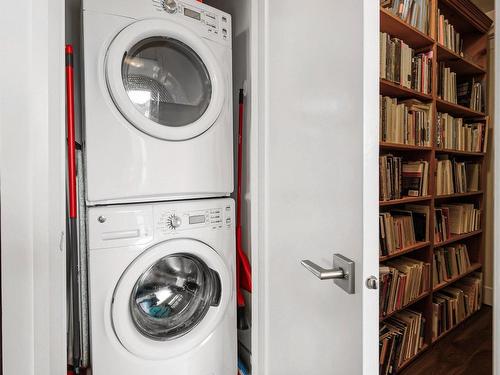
(164, 79)
(170, 299)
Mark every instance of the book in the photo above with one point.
(455, 134)
(457, 177)
(402, 280)
(448, 36)
(453, 304)
(447, 84)
(414, 12)
(405, 121)
(400, 64)
(401, 337)
(463, 217)
(398, 178)
(450, 262)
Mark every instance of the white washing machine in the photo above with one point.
(158, 103)
(162, 288)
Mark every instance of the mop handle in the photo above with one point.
(70, 109)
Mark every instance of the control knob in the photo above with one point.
(170, 6)
(174, 222)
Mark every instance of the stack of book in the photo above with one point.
(454, 176)
(401, 228)
(400, 64)
(450, 262)
(400, 338)
(398, 178)
(452, 305)
(441, 224)
(414, 12)
(405, 122)
(470, 94)
(402, 280)
(458, 218)
(453, 134)
(447, 84)
(448, 36)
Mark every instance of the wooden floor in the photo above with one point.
(465, 351)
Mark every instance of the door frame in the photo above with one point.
(33, 209)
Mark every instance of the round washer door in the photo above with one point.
(164, 79)
(170, 299)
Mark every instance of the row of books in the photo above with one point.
(459, 218)
(402, 280)
(448, 36)
(453, 134)
(466, 91)
(405, 122)
(414, 12)
(400, 338)
(454, 176)
(449, 262)
(447, 84)
(400, 64)
(404, 227)
(470, 94)
(400, 178)
(453, 304)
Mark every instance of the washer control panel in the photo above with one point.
(215, 24)
(171, 221)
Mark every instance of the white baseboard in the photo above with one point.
(488, 295)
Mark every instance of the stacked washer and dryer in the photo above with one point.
(158, 149)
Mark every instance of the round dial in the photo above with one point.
(170, 6)
(174, 221)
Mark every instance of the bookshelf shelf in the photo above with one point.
(473, 267)
(458, 237)
(393, 25)
(413, 301)
(406, 250)
(473, 26)
(458, 152)
(405, 200)
(458, 195)
(456, 109)
(459, 64)
(401, 146)
(388, 88)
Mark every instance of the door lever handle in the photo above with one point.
(322, 273)
(342, 272)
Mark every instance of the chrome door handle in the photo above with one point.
(322, 273)
(342, 272)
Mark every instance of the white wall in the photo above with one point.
(32, 187)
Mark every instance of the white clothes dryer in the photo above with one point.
(158, 101)
(162, 288)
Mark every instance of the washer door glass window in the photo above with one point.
(166, 81)
(173, 296)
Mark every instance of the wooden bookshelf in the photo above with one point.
(405, 200)
(473, 25)
(406, 250)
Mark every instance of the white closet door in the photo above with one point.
(318, 187)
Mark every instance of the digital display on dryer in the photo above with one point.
(193, 14)
(197, 219)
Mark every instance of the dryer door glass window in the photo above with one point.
(166, 81)
(173, 296)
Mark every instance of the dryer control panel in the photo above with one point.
(216, 24)
(169, 221)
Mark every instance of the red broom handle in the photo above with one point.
(70, 99)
